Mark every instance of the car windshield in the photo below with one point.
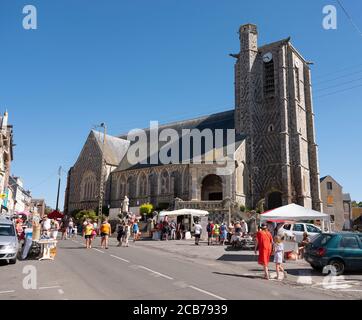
(7, 230)
(321, 240)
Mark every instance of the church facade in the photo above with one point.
(275, 155)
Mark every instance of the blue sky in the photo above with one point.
(126, 62)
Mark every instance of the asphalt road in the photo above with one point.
(137, 273)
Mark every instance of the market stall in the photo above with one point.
(294, 212)
(186, 217)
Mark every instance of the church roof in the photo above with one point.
(223, 120)
(114, 149)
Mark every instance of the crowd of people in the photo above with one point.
(221, 233)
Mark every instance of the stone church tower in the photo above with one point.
(273, 107)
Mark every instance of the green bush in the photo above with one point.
(242, 208)
(146, 209)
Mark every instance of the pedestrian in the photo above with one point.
(75, 232)
(70, 227)
(264, 242)
(55, 228)
(105, 233)
(135, 230)
(244, 228)
(126, 234)
(95, 229)
(165, 230)
(198, 232)
(120, 232)
(88, 230)
(173, 230)
(216, 232)
(46, 226)
(209, 229)
(303, 244)
(223, 233)
(63, 228)
(278, 249)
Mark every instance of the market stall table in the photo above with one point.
(47, 245)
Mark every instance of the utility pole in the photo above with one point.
(60, 177)
(101, 188)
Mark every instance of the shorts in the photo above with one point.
(89, 236)
(104, 235)
(197, 236)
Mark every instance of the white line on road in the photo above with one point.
(355, 290)
(155, 272)
(119, 258)
(208, 293)
(53, 287)
(10, 291)
(98, 250)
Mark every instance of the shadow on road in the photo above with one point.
(238, 257)
(248, 276)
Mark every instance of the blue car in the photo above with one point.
(341, 250)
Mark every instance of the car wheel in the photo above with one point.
(338, 265)
(12, 261)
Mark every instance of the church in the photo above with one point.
(274, 152)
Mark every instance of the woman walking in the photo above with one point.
(105, 233)
(88, 230)
(223, 233)
(264, 242)
(135, 230)
(120, 232)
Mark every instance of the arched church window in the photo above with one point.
(165, 182)
(269, 85)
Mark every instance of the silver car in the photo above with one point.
(9, 244)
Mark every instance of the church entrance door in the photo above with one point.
(274, 200)
(211, 188)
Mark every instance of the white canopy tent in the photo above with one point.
(180, 212)
(295, 212)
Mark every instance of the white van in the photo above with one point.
(297, 229)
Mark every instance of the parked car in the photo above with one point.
(297, 229)
(8, 241)
(342, 250)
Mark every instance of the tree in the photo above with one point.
(81, 216)
(356, 204)
(146, 208)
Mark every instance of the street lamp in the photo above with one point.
(101, 187)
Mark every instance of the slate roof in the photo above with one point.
(347, 197)
(223, 120)
(114, 149)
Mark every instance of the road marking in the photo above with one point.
(155, 272)
(207, 292)
(99, 250)
(53, 287)
(356, 290)
(10, 291)
(119, 258)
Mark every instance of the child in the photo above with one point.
(278, 256)
(75, 232)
